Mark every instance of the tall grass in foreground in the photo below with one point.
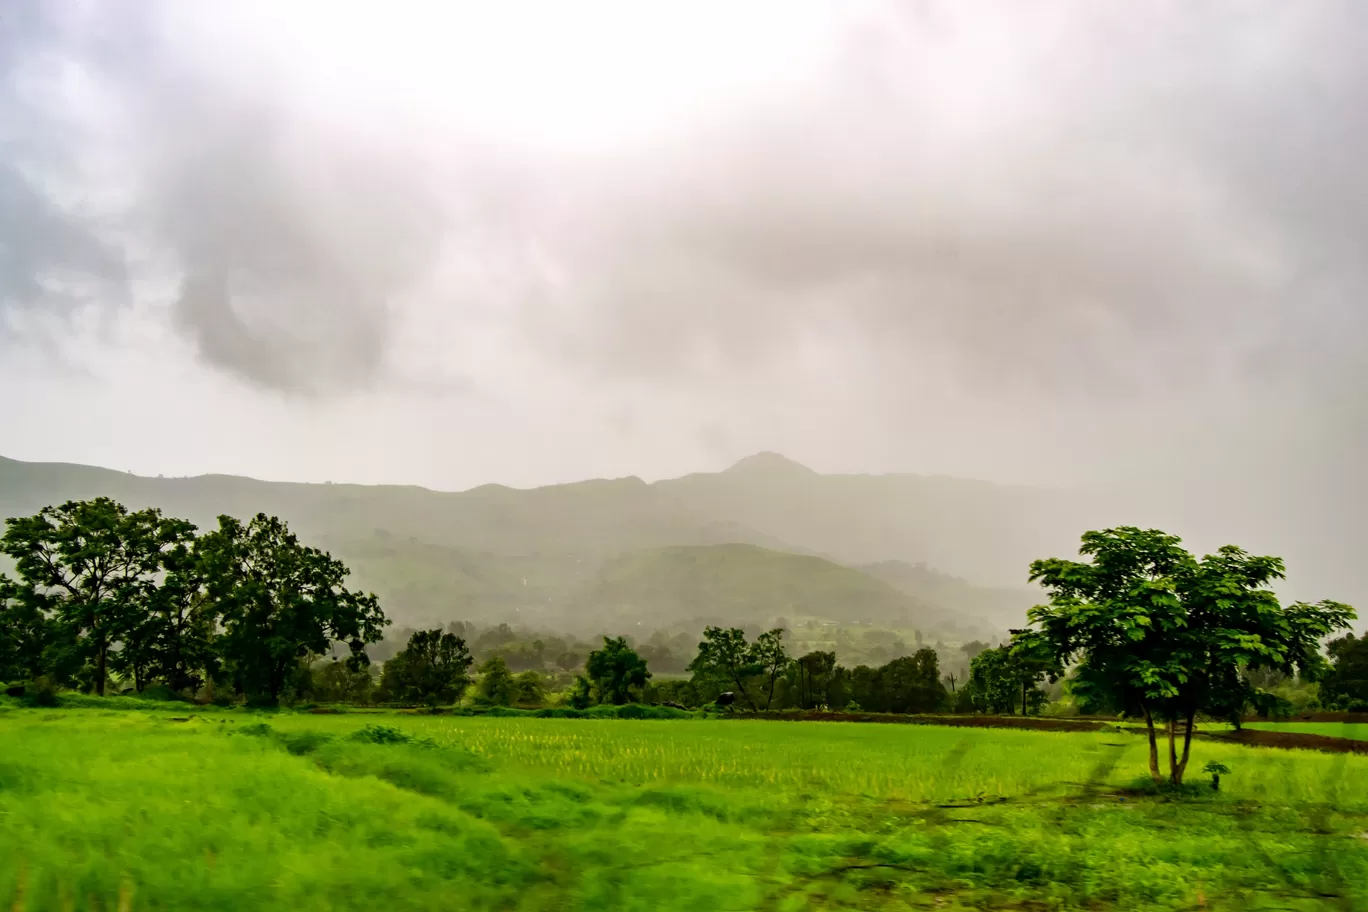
(122, 810)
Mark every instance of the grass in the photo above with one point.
(128, 810)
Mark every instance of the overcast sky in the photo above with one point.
(448, 243)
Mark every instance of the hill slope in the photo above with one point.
(492, 550)
(742, 585)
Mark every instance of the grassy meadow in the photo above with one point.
(129, 809)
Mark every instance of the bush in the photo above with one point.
(160, 692)
(382, 734)
(42, 692)
(300, 743)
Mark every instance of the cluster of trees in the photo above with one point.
(1345, 686)
(434, 668)
(102, 594)
(531, 649)
(1006, 679)
(763, 677)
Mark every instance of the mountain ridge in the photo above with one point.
(462, 548)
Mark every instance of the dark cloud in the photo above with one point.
(292, 239)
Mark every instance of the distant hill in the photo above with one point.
(744, 585)
(494, 551)
(1002, 607)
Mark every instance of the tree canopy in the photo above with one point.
(433, 669)
(1168, 635)
(615, 669)
(101, 589)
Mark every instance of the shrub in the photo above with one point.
(382, 734)
(42, 692)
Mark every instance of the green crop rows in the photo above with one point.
(128, 810)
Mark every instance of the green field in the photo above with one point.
(130, 810)
(1356, 731)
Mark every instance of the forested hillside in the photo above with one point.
(623, 550)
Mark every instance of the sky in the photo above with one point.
(531, 242)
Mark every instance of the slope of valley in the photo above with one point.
(767, 538)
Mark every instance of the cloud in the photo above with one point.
(1066, 207)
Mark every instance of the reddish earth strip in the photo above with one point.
(1262, 737)
(1033, 723)
(1249, 736)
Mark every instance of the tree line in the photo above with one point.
(103, 592)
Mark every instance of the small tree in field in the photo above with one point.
(1167, 635)
(615, 669)
(433, 669)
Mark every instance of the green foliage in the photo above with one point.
(338, 682)
(86, 566)
(1345, 685)
(615, 670)
(529, 689)
(26, 634)
(581, 695)
(381, 734)
(769, 657)
(912, 684)
(496, 683)
(281, 602)
(816, 675)
(1169, 635)
(725, 659)
(432, 669)
(104, 591)
(1004, 680)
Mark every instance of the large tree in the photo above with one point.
(88, 564)
(170, 636)
(771, 659)
(433, 669)
(615, 669)
(1169, 635)
(911, 684)
(1346, 685)
(816, 673)
(725, 657)
(993, 682)
(281, 603)
(25, 634)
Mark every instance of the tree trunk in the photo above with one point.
(745, 693)
(1187, 747)
(1153, 748)
(1174, 776)
(101, 658)
(1023, 699)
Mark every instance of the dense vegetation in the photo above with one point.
(103, 591)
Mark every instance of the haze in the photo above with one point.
(1075, 244)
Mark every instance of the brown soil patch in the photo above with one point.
(1258, 737)
(1032, 723)
(1361, 718)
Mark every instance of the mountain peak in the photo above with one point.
(768, 463)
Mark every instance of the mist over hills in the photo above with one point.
(766, 538)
